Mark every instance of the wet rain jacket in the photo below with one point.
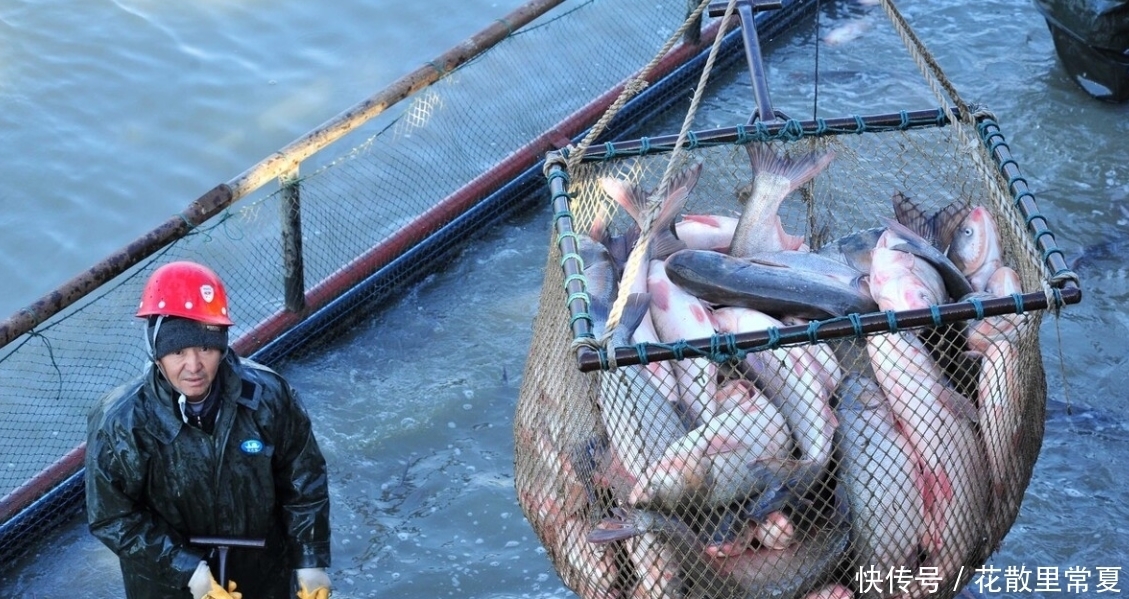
(153, 481)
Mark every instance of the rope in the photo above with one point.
(640, 252)
(928, 65)
(633, 87)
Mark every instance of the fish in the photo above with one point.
(722, 280)
(900, 280)
(706, 231)
(640, 421)
(854, 249)
(564, 512)
(636, 202)
(931, 235)
(601, 277)
(939, 424)
(976, 249)
(847, 32)
(684, 559)
(792, 380)
(801, 567)
(809, 263)
(708, 466)
(937, 227)
(1001, 403)
(798, 569)
(774, 177)
(899, 237)
(678, 315)
(877, 467)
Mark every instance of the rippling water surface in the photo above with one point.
(414, 405)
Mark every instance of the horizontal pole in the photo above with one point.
(839, 328)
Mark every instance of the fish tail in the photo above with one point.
(798, 171)
(937, 228)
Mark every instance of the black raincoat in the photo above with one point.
(152, 482)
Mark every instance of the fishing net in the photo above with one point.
(786, 451)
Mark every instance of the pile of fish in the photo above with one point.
(792, 474)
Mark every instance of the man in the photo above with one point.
(209, 445)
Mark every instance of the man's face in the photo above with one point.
(192, 370)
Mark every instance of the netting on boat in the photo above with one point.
(809, 401)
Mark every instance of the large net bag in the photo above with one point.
(787, 359)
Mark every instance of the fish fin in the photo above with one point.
(623, 193)
(634, 311)
(946, 222)
(664, 244)
(937, 228)
(720, 447)
(675, 199)
(911, 215)
(798, 171)
(620, 247)
(787, 240)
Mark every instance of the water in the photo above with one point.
(414, 406)
(118, 113)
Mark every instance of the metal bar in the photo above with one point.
(200, 210)
(853, 125)
(1037, 226)
(746, 10)
(293, 263)
(333, 129)
(877, 322)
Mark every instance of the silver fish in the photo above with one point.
(975, 249)
(900, 237)
(640, 421)
(794, 381)
(791, 572)
(678, 315)
(902, 281)
(951, 457)
(635, 201)
(709, 465)
(706, 231)
(1002, 404)
(931, 229)
(723, 280)
(877, 467)
(774, 177)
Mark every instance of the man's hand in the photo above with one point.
(204, 586)
(313, 583)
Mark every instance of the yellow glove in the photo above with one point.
(313, 583)
(318, 593)
(204, 586)
(218, 592)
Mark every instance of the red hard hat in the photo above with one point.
(188, 290)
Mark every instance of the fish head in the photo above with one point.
(900, 281)
(975, 242)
